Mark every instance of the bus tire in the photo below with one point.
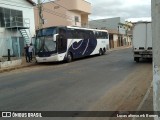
(100, 52)
(136, 59)
(69, 57)
(104, 51)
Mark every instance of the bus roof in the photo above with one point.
(86, 28)
(76, 27)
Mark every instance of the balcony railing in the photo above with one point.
(16, 22)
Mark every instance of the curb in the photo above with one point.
(144, 99)
(15, 68)
(119, 48)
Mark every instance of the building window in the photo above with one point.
(10, 17)
(1, 17)
(76, 19)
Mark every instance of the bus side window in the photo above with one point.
(86, 36)
(102, 37)
(91, 35)
(80, 34)
(62, 41)
(74, 34)
(62, 32)
(69, 34)
(77, 36)
(97, 35)
(105, 35)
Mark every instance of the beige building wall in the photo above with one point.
(115, 39)
(76, 5)
(64, 12)
(129, 40)
(84, 20)
(72, 20)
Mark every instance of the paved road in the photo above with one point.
(77, 86)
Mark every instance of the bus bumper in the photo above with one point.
(53, 58)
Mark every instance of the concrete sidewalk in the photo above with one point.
(120, 48)
(24, 64)
(146, 104)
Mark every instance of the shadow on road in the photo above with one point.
(74, 60)
(149, 61)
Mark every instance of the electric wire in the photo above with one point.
(52, 2)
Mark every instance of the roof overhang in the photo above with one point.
(113, 31)
(81, 12)
(31, 2)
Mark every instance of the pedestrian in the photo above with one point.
(31, 51)
(27, 53)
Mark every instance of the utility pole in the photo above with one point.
(40, 14)
(156, 54)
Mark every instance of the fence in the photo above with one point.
(17, 21)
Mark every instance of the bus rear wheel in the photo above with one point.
(104, 51)
(69, 57)
(100, 52)
(136, 59)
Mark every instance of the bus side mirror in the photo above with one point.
(55, 37)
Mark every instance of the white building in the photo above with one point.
(17, 26)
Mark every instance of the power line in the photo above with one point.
(61, 6)
(62, 15)
(58, 4)
(57, 13)
(64, 8)
(48, 11)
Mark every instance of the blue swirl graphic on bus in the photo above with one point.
(83, 48)
(76, 44)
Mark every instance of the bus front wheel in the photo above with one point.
(69, 57)
(104, 51)
(136, 59)
(100, 52)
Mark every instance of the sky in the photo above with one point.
(130, 10)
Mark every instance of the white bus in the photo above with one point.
(65, 43)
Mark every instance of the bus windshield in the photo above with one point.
(45, 44)
(47, 31)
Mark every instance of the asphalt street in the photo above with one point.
(75, 86)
